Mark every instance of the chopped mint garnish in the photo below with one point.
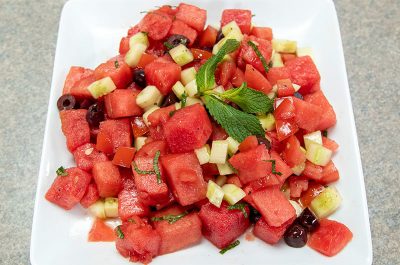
(170, 218)
(231, 246)
(273, 162)
(61, 172)
(260, 56)
(239, 206)
(119, 233)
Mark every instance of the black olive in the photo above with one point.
(308, 220)
(85, 104)
(170, 99)
(254, 215)
(298, 95)
(95, 114)
(175, 40)
(66, 102)
(220, 36)
(263, 140)
(295, 236)
(139, 78)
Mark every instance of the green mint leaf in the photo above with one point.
(116, 64)
(183, 101)
(233, 245)
(119, 232)
(205, 78)
(61, 172)
(273, 162)
(249, 100)
(236, 123)
(239, 206)
(325, 133)
(260, 56)
(168, 45)
(156, 168)
(170, 218)
(142, 172)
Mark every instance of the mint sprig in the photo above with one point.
(205, 78)
(249, 100)
(236, 123)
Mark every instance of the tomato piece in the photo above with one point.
(262, 33)
(237, 78)
(146, 59)
(124, 156)
(139, 128)
(248, 143)
(285, 128)
(313, 190)
(101, 232)
(208, 37)
(285, 110)
(297, 186)
(103, 143)
(200, 54)
(292, 154)
(285, 88)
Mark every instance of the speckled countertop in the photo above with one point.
(371, 39)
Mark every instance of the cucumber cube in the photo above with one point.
(147, 113)
(178, 89)
(181, 55)
(314, 137)
(233, 193)
(225, 169)
(134, 54)
(148, 97)
(188, 75)
(318, 154)
(326, 202)
(139, 37)
(233, 145)
(219, 152)
(219, 90)
(296, 87)
(97, 209)
(111, 207)
(231, 26)
(296, 207)
(203, 154)
(191, 88)
(221, 180)
(286, 46)
(139, 142)
(191, 101)
(304, 51)
(297, 170)
(267, 121)
(101, 87)
(178, 105)
(277, 60)
(215, 194)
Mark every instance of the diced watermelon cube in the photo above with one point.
(273, 206)
(161, 116)
(162, 74)
(208, 37)
(101, 232)
(281, 166)
(251, 165)
(222, 226)
(270, 234)
(268, 181)
(330, 237)
(75, 128)
(183, 233)
(237, 78)
(76, 82)
(156, 24)
(312, 171)
(248, 143)
(242, 17)
(67, 191)
(181, 28)
(87, 155)
(129, 204)
(330, 144)
(185, 177)
(249, 56)
(192, 15)
(107, 178)
(91, 195)
(118, 132)
(262, 33)
(141, 243)
(292, 154)
(122, 103)
(234, 179)
(328, 116)
(256, 80)
(308, 116)
(285, 110)
(209, 169)
(297, 185)
(117, 70)
(189, 128)
(150, 191)
(303, 72)
(167, 9)
(277, 73)
(329, 173)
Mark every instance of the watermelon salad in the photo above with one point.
(193, 131)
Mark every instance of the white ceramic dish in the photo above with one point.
(89, 33)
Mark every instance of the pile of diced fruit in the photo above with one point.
(193, 132)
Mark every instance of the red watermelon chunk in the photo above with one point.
(256, 80)
(185, 177)
(292, 154)
(160, 116)
(121, 75)
(330, 237)
(312, 171)
(87, 155)
(122, 103)
(304, 73)
(77, 80)
(308, 116)
(75, 128)
(222, 226)
(156, 24)
(181, 28)
(281, 166)
(251, 165)
(129, 204)
(297, 185)
(163, 74)
(242, 18)
(329, 173)
(261, 183)
(192, 15)
(150, 191)
(249, 56)
(273, 206)
(118, 132)
(277, 73)
(270, 234)
(91, 195)
(183, 233)
(189, 128)
(328, 116)
(141, 243)
(108, 179)
(67, 191)
(262, 32)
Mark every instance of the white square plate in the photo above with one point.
(89, 34)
